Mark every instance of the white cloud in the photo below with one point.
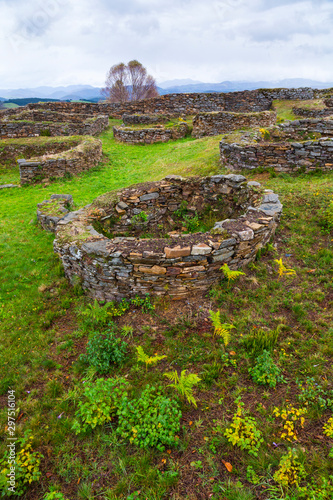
(54, 42)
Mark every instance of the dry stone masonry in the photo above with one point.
(188, 104)
(150, 135)
(49, 212)
(100, 245)
(138, 119)
(21, 126)
(78, 159)
(220, 122)
(282, 153)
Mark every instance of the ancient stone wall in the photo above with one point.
(312, 113)
(49, 212)
(296, 128)
(150, 135)
(15, 129)
(144, 119)
(178, 265)
(329, 102)
(11, 149)
(283, 157)
(219, 122)
(83, 157)
(188, 104)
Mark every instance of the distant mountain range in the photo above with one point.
(77, 92)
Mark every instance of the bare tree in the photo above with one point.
(129, 82)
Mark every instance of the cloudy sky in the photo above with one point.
(62, 42)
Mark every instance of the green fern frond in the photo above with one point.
(229, 274)
(221, 329)
(148, 360)
(184, 384)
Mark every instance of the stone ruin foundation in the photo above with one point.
(133, 242)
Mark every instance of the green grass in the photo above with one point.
(43, 331)
(10, 105)
(284, 108)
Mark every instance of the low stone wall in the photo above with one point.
(150, 135)
(283, 157)
(83, 157)
(144, 119)
(125, 266)
(296, 128)
(11, 149)
(189, 104)
(51, 211)
(90, 126)
(219, 122)
(329, 102)
(312, 113)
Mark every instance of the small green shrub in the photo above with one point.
(101, 402)
(45, 132)
(265, 371)
(139, 218)
(54, 495)
(191, 223)
(313, 394)
(149, 421)
(290, 471)
(243, 431)
(104, 350)
(26, 468)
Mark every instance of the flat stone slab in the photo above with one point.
(6, 186)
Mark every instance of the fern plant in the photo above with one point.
(223, 330)
(184, 384)
(229, 274)
(148, 360)
(283, 270)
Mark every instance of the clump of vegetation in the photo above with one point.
(27, 468)
(103, 350)
(148, 360)
(184, 384)
(265, 371)
(243, 431)
(230, 274)
(220, 329)
(101, 401)
(152, 420)
(290, 471)
(292, 420)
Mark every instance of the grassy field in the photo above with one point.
(282, 327)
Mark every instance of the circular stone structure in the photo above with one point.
(135, 241)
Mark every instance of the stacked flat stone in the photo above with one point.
(78, 159)
(150, 135)
(282, 155)
(139, 119)
(23, 128)
(220, 122)
(51, 211)
(125, 266)
(189, 104)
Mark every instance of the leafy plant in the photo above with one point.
(260, 339)
(191, 223)
(104, 350)
(26, 467)
(127, 331)
(265, 134)
(184, 384)
(328, 428)
(220, 329)
(139, 218)
(229, 274)
(290, 471)
(283, 270)
(101, 401)
(313, 394)
(143, 302)
(148, 360)
(96, 313)
(54, 495)
(265, 371)
(149, 421)
(291, 418)
(243, 431)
